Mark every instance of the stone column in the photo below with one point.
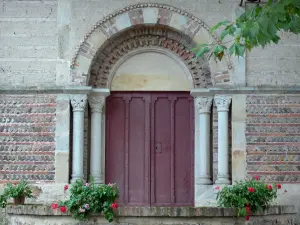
(96, 104)
(223, 103)
(78, 102)
(203, 161)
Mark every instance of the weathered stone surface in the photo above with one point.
(282, 215)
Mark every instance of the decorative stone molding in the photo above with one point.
(204, 104)
(78, 102)
(96, 103)
(222, 102)
(162, 15)
(144, 38)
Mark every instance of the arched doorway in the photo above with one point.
(149, 116)
(102, 61)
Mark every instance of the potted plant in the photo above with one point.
(18, 192)
(89, 198)
(247, 196)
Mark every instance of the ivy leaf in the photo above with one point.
(222, 23)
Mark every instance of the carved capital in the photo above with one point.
(203, 104)
(78, 102)
(96, 103)
(222, 102)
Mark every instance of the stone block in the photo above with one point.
(27, 9)
(150, 15)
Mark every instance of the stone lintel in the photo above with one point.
(194, 92)
(78, 89)
(100, 92)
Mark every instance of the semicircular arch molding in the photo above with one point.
(143, 39)
(132, 16)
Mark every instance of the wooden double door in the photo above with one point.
(150, 147)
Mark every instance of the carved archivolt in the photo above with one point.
(146, 37)
(135, 12)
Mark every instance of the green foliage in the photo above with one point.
(21, 189)
(258, 26)
(247, 196)
(88, 198)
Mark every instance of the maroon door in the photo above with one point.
(149, 147)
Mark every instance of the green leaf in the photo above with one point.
(237, 49)
(296, 3)
(223, 34)
(219, 52)
(195, 49)
(222, 23)
(202, 51)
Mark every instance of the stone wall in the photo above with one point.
(39, 38)
(35, 215)
(275, 65)
(27, 130)
(28, 37)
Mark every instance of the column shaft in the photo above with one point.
(203, 172)
(96, 103)
(223, 103)
(78, 103)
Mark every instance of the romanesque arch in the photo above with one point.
(184, 31)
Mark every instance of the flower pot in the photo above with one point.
(19, 200)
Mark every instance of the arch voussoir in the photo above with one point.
(140, 14)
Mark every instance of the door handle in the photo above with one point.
(158, 148)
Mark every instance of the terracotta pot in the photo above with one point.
(19, 200)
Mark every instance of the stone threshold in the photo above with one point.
(46, 210)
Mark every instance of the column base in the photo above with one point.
(75, 178)
(203, 179)
(222, 179)
(97, 179)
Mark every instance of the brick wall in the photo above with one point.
(27, 145)
(273, 138)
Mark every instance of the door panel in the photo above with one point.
(138, 146)
(115, 142)
(149, 147)
(161, 161)
(184, 157)
(128, 140)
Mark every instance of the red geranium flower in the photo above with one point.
(278, 186)
(54, 206)
(269, 186)
(247, 217)
(63, 209)
(251, 189)
(114, 205)
(66, 187)
(248, 210)
(256, 177)
(217, 188)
